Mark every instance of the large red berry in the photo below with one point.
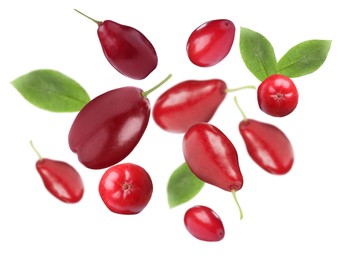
(212, 157)
(204, 224)
(109, 127)
(277, 95)
(187, 103)
(211, 42)
(126, 49)
(126, 188)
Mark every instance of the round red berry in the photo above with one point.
(277, 95)
(126, 188)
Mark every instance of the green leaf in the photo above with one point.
(304, 58)
(182, 186)
(257, 53)
(51, 90)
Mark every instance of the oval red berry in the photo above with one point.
(211, 42)
(187, 103)
(109, 127)
(268, 146)
(204, 224)
(61, 180)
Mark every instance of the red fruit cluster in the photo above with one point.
(109, 127)
(188, 107)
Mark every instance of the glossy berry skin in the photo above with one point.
(277, 95)
(109, 127)
(212, 157)
(126, 188)
(127, 49)
(268, 146)
(187, 103)
(211, 42)
(204, 224)
(61, 180)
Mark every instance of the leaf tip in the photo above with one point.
(329, 42)
(171, 204)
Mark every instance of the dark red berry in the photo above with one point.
(126, 49)
(109, 127)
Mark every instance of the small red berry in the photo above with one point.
(277, 95)
(60, 179)
(204, 224)
(126, 188)
(211, 42)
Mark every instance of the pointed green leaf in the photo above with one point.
(257, 53)
(304, 58)
(182, 186)
(51, 90)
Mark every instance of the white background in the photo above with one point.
(307, 214)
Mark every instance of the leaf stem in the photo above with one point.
(146, 93)
(240, 109)
(237, 203)
(95, 21)
(36, 151)
(229, 90)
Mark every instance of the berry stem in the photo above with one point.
(95, 21)
(146, 93)
(237, 203)
(36, 151)
(241, 111)
(240, 88)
